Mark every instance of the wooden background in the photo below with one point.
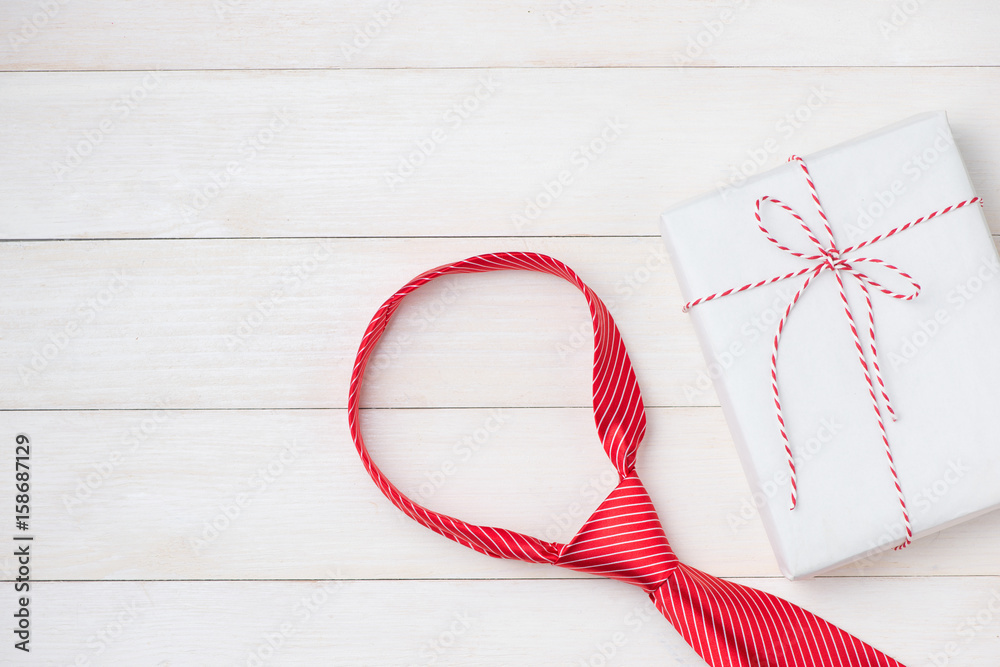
(203, 203)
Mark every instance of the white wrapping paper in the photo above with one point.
(939, 353)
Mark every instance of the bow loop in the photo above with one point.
(905, 294)
(819, 250)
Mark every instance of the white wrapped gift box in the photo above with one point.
(939, 352)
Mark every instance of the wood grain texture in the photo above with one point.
(235, 34)
(461, 623)
(205, 202)
(280, 494)
(276, 324)
(536, 152)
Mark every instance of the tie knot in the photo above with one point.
(623, 539)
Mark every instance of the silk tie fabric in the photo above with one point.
(727, 624)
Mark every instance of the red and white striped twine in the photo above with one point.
(829, 257)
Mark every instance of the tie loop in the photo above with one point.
(618, 409)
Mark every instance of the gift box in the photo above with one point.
(858, 447)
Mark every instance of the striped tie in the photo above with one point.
(729, 625)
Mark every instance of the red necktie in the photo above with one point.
(729, 625)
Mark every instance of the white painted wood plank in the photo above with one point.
(240, 494)
(466, 623)
(309, 33)
(416, 153)
(276, 323)
(130, 494)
